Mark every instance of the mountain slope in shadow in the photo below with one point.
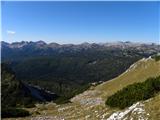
(17, 93)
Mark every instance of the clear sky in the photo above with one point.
(77, 22)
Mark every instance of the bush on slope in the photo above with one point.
(135, 92)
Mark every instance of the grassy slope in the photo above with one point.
(80, 109)
(140, 71)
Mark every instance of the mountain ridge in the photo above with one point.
(20, 50)
(85, 44)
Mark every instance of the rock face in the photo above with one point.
(137, 108)
(89, 97)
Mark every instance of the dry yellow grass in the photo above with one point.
(152, 106)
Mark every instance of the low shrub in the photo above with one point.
(134, 93)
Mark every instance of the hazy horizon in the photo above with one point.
(79, 22)
(84, 42)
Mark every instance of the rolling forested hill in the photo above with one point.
(70, 69)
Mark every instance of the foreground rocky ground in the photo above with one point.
(92, 108)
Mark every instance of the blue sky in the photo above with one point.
(77, 22)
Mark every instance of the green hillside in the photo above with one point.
(13, 97)
(17, 95)
(91, 104)
(13, 94)
(69, 75)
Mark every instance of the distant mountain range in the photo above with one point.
(40, 48)
(84, 45)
